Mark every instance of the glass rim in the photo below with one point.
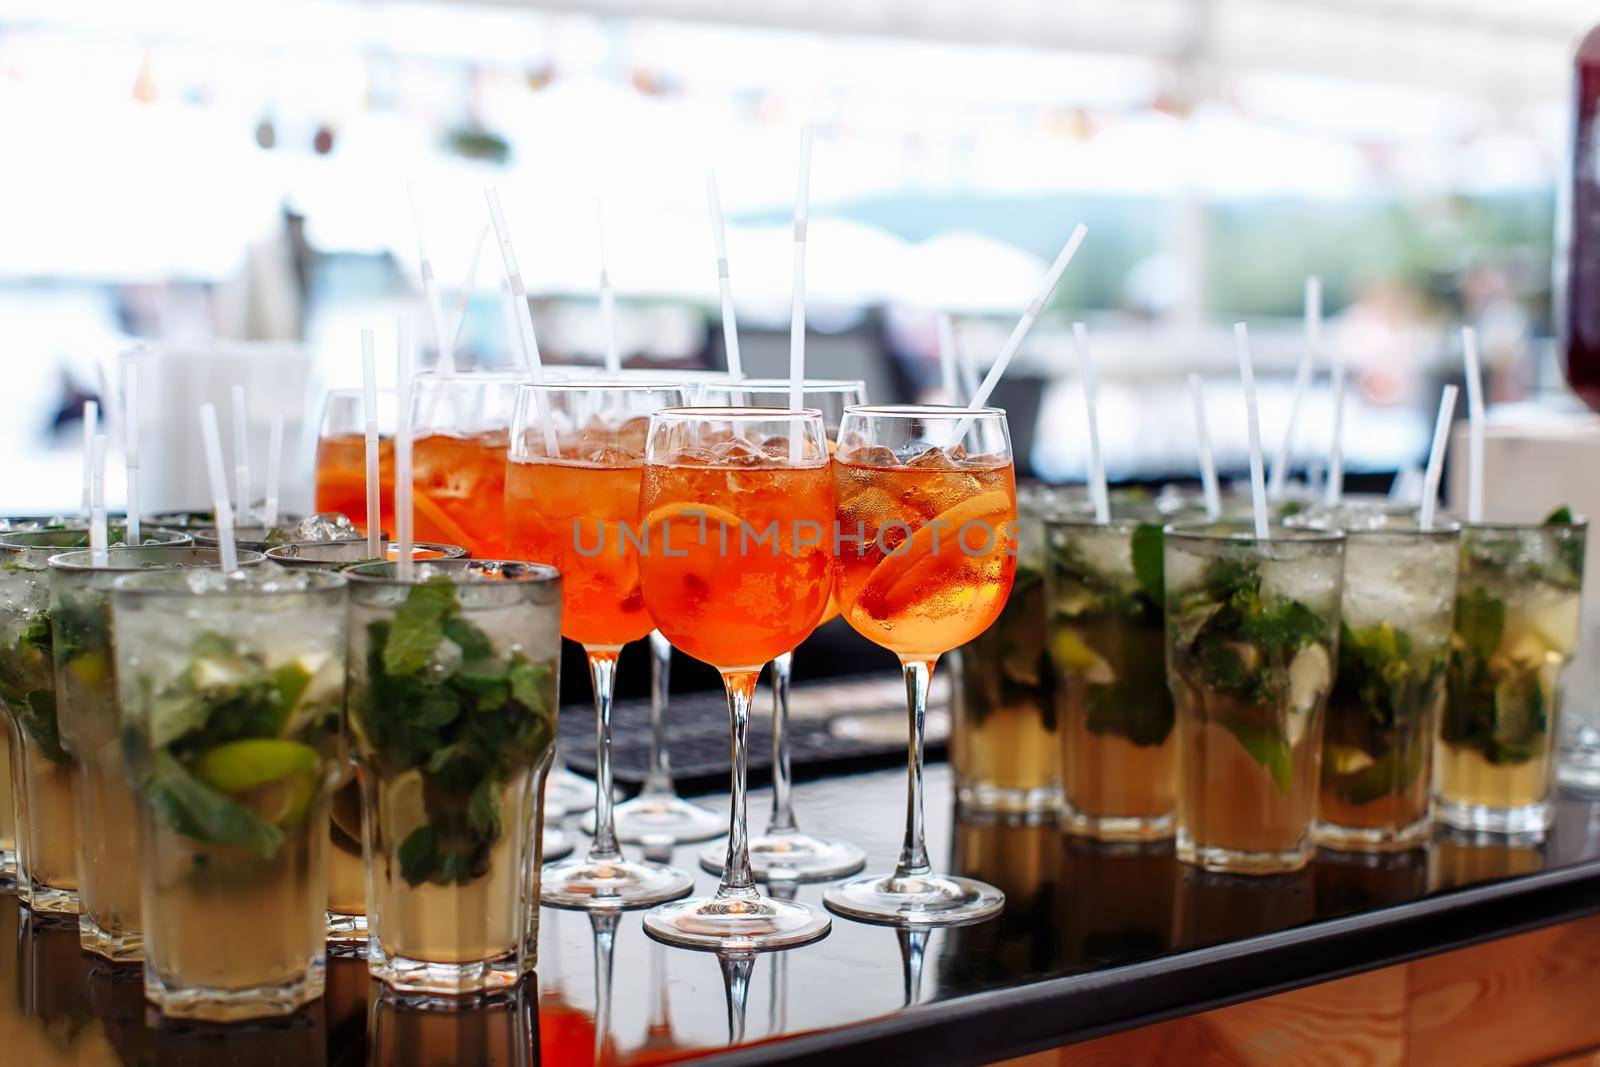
(710, 413)
(1242, 532)
(385, 573)
(15, 541)
(773, 385)
(1446, 530)
(609, 385)
(276, 553)
(360, 392)
(1579, 522)
(924, 411)
(65, 561)
(473, 377)
(157, 584)
(1116, 524)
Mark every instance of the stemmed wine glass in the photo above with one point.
(927, 514)
(737, 511)
(785, 852)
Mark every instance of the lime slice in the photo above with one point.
(284, 801)
(1075, 657)
(1347, 759)
(91, 669)
(237, 766)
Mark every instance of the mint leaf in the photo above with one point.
(1148, 544)
(483, 810)
(37, 714)
(419, 855)
(1480, 620)
(418, 628)
(473, 642)
(528, 684)
(37, 634)
(1561, 516)
(196, 810)
(1268, 748)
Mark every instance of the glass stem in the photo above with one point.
(603, 673)
(782, 820)
(658, 780)
(737, 879)
(914, 852)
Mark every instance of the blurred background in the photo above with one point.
(190, 175)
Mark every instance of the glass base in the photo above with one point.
(737, 922)
(235, 1005)
(569, 792)
(652, 819)
(8, 864)
(557, 844)
(988, 798)
(47, 900)
(588, 884)
(1237, 861)
(917, 900)
(347, 927)
(1374, 839)
(792, 857)
(126, 947)
(1523, 819)
(408, 975)
(1579, 771)
(1117, 827)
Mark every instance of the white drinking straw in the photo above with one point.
(97, 504)
(369, 399)
(1334, 491)
(91, 426)
(430, 289)
(130, 447)
(1302, 380)
(1441, 440)
(797, 307)
(241, 454)
(1208, 460)
(402, 449)
(949, 376)
(1474, 373)
(608, 297)
(730, 327)
(274, 469)
(508, 311)
(1258, 482)
(530, 341)
(219, 487)
(1097, 466)
(980, 396)
(466, 293)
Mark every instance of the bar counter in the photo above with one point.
(1095, 939)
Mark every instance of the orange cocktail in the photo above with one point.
(341, 475)
(927, 541)
(458, 491)
(736, 565)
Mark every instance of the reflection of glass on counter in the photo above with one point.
(1465, 857)
(1017, 855)
(499, 1029)
(1003, 746)
(1114, 901)
(52, 974)
(1356, 881)
(1212, 908)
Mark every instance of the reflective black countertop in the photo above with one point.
(1095, 938)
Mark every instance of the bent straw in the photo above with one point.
(1097, 466)
(1048, 286)
(91, 426)
(1334, 491)
(1474, 373)
(97, 504)
(430, 289)
(730, 327)
(1247, 377)
(1208, 460)
(1441, 440)
(949, 380)
(219, 488)
(274, 467)
(402, 448)
(241, 454)
(466, 292)
(1302, 380)
(530, 341)
(369, 400)
(797, 308)
(130, 447)
(608, 298)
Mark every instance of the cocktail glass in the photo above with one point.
(1005, 745)
(453, 719)
(577, 509)
(1107, 638)
(336, 555)
(927, 513)
(232, 692)
(42, 782)
(736, 506)
(90, 727)
(1394, 647)
(1252, 635)
(461, 424)
(785, 852)
(341, 469)
(1518, 603)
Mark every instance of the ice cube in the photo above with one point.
(694, 457)
(326, 526)
(631, 434)
(605, 454)
(932, 458)
(867, 456)
(738, 452)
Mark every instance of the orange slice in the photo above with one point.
(993, 507)
(683, 509)
(430, 509)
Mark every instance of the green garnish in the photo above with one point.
(441, 703)
(1374, 737)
